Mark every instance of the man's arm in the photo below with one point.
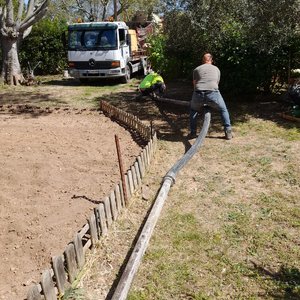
(194, 79)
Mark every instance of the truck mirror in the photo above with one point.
(128, 40)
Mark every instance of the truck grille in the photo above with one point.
(85, 65)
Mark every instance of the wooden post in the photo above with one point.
(71, 263)
(121, 168)
(59, 272)
(34, 293)
(79, 250)
(48, 286)
(151, 129)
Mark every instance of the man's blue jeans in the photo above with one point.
(212, 99)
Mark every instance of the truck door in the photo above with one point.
(123, 44)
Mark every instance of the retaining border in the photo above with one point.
(66, 267)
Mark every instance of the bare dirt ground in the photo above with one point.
(54, 165)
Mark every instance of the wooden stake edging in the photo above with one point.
(113, 205)
(66, 267)
(122, 194)
(79, 250)
(127, 186)
(141, 166)
(59, 272)
(138, 174)
(102, 219)
(93, 229)
(48, 286)
(118, 198)
(108, 213)
(70, 258)
(134, 177)
(145, 160)
(130, 181)
(34, 293)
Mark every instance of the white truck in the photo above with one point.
(104, 50)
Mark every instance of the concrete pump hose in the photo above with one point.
(140, 247)
(189, 154)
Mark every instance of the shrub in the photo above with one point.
(45, 45)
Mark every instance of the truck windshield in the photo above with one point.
(92, 39)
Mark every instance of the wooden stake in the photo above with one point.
(121, 169)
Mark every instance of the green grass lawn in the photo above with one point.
(231, 225)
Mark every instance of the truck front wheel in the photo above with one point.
(126, 77)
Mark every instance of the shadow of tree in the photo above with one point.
(241, 109)
(32, 98)
(170, 121)
(85, 82)
(77, 82)
(265, 107)
(63, 82)
(287, 279)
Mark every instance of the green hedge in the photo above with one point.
(45, 45)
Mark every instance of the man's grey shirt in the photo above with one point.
(207, 77)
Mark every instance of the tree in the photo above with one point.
(254, 41)
(15, 24)
(86, 10)
(100, 10)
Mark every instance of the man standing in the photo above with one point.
(206, 78)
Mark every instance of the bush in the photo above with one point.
(45, 45)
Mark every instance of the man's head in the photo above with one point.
(207, 58)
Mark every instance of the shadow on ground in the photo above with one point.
(170, 121)
(29, 98)
(287, 279)
(77, 82)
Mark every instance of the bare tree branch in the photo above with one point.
(104, 4)
(30, 8)
(10, 14)
(2, 11)
(20, 10)
(81, 8)
(35, 16)
(27, 32)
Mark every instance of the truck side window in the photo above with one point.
(122, 37)
(75, 39)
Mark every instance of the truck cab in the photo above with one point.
(103, 50)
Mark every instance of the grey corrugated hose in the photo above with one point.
(140, 247)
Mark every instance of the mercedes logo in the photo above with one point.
(92, 62)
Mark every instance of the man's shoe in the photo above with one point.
(228, 134)
(191, 136)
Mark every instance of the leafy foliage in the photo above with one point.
(45, 45)
(157, 55)
(255, 43)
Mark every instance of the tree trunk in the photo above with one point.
(11, 69)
